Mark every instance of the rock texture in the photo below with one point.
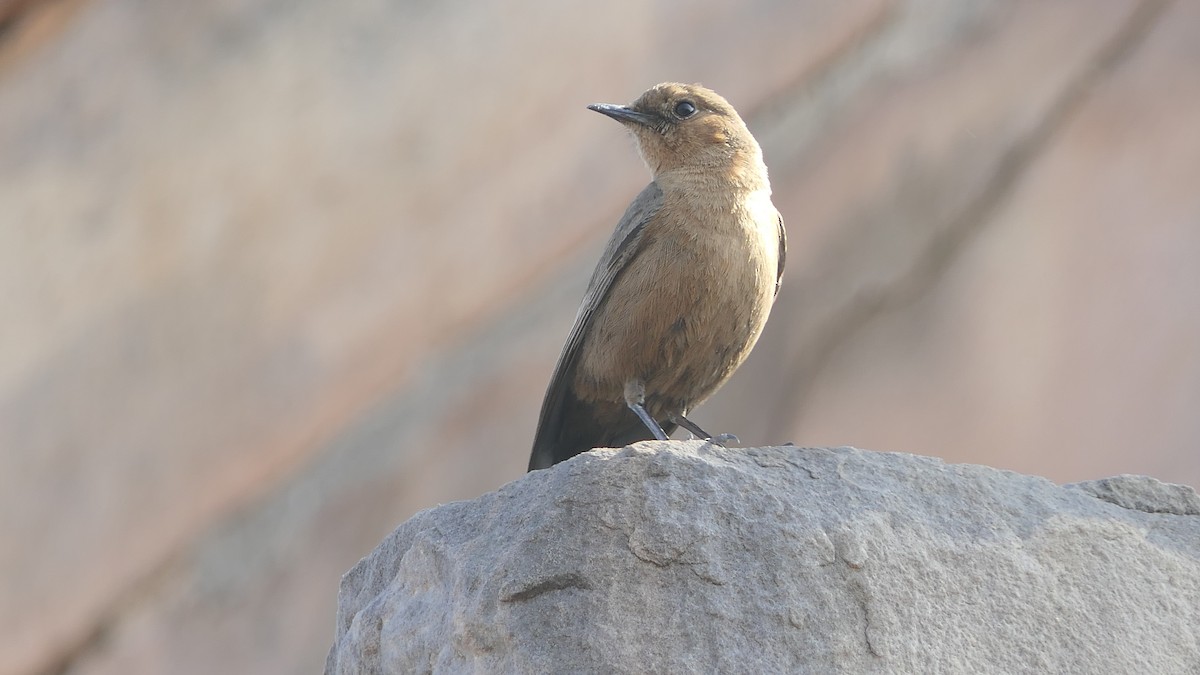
(686, 557)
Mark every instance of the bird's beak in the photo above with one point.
(625, 114)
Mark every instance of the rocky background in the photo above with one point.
(276, 275)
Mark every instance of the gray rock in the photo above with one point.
(686, 557)
(1143, 493)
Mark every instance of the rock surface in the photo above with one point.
(685, 557)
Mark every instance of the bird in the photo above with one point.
(684, 286)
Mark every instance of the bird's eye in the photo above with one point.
(685, 109)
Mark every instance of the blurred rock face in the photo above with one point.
(256, 258)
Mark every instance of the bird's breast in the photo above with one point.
(688, 307)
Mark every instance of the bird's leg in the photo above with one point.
(635, 398)
(691, 426)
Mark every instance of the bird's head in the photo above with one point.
(686, 129)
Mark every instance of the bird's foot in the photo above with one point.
(720, 439)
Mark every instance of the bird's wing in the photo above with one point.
(782, 254)
(621, 248)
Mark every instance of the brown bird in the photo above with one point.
(683, 289)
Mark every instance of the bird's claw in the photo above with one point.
(723, 439)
